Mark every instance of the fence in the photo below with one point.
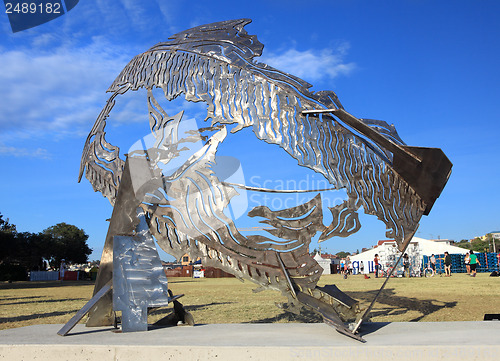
(184, 271)
(211, 272)
(44, 275)
(54, 275)
(488, 262)
(187, 271)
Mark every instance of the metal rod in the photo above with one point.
(368, 310)
(285, 273)
(85, 309)
(368, 131)
(257, 189)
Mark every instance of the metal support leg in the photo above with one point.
(80, 314)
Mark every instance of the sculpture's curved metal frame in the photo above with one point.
(215, 64)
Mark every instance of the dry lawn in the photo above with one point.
(227, 300)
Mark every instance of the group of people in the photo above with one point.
(470, 259)
(447, 264)
(406, 265)
(471, 263)
(431, 265)
(345, 266)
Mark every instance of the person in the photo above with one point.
(361, 267)
(346, 267)
(406, 265)
(433, 264)
(342, 263)
(62, 269)
(349, 266)
(93, 272)
(447, 264)
(376, 260)
(498, 262)
(473, 263)
(467, 262)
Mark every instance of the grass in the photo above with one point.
(227, 300)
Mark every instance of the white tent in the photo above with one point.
(388, 251)
(367, 259)
(324, 263)
(429, 247)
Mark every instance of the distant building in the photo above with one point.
(495, 234)
(170, 265)
(186, 260)
(448, 242)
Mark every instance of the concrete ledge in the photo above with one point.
(293, 341)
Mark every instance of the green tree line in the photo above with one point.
(489, 244)
(21, 252)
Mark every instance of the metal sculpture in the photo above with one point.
(184, 208)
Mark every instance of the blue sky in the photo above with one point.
(430, 67)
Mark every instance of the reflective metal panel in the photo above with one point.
(139, 280)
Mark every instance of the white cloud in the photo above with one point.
(24, 152)
(57, 91)
(56, 85)
(43, 40)
(112, 13)
(311, 65)
(136, 13)
(133, 17)
(170, 14)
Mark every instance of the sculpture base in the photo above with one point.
(293, 341)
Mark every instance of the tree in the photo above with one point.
(5, 226)
(488, 244)
(493, 243)
(7, 239)
(67, 242)
(464, 243)
(24, 251)
(19, 252)
(342, 254)
(479, 245)
(29, 250)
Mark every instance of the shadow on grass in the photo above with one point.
(18, 298)
(42, 284)
(36, 316)
(397, 305)
(166, 310)
(306, 316)
(42, 301)
(173, 281)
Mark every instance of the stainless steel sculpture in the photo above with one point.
(184, 208)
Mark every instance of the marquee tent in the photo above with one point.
(388, 251)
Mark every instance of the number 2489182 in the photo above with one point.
(33, 8)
